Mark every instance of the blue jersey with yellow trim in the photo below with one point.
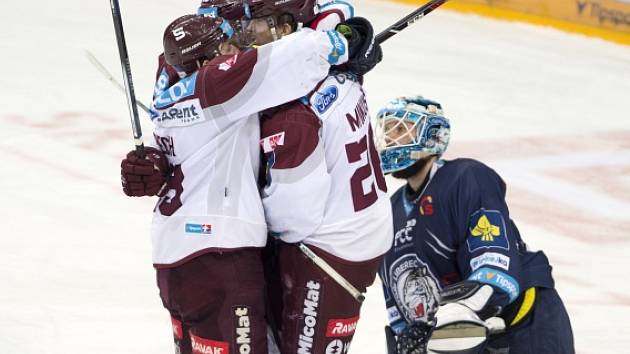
(457, 228)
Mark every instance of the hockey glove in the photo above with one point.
(460, 328)
(363, 50)
(144, 177)
(413, 339)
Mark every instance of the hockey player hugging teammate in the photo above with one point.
(208, 226)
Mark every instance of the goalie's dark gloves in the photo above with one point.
(414, 339)
(144, 177)
(364, 53)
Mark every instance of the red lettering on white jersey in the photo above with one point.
(207, 346)
(342, 327)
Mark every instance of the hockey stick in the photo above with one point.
(409, 20)
(321, 263)
(97, 64)
(380, 38)
(126, 71)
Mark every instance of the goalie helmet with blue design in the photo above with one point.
(409, 129)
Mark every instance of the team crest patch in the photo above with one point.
(487, 230)
(426, 205)
(414, 288)
(270, 143)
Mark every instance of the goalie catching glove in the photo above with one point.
(465, 319)
(145, 177)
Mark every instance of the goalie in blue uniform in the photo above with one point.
(459, 278)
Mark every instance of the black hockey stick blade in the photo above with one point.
(410, 19)
(126, 71)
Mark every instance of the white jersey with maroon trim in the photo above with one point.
(207, 125)
(324, 185)
(331, 13)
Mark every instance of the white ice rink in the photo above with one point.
(549, 110)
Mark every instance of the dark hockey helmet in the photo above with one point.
(302, 11)
(191, 39)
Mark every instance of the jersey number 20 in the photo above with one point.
(360, 198)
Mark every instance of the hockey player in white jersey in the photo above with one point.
(324, 188)
(208, 225)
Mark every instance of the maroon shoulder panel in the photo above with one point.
(225, 76)
(300, 129)
(173, 77)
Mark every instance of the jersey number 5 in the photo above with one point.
(360, 198)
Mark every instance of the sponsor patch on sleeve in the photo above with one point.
(498, 279)
(491, 259)
(486, 229)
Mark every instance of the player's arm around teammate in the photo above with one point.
(317, 160)
(209, 223)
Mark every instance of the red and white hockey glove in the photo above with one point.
(145, 177)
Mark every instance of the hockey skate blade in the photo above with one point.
(462, 338)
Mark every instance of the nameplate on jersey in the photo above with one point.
(183, 88)
(180, 115)
(486, 229)
(323, 100)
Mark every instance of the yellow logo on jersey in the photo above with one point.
(486, 230)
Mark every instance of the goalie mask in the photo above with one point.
(409, 129)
